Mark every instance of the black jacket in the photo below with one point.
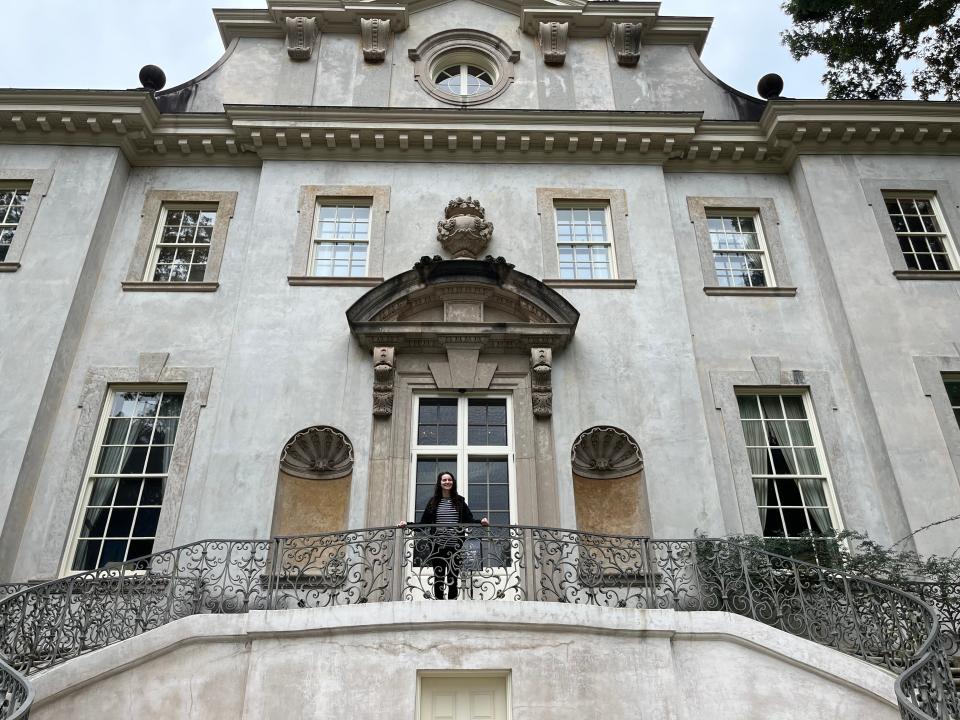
(429, 516)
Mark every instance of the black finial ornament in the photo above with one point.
(770, 86)
(152, 78)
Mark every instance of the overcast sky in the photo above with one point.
(103, 44)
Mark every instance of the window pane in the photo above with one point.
(437, 423)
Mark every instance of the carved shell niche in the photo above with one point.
(605, 453)
(318, 453)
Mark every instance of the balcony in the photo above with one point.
(44, 625)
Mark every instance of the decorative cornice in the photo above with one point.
(246, 135)
(328, 15)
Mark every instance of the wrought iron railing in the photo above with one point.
(16, 694)
(47, 624)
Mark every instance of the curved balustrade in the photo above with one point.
(16, 695)
(47, 624)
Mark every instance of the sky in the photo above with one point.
(102, 44)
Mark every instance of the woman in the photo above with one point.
(446, 507)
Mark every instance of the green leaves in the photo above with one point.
(865, 43)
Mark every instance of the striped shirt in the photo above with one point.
(447, 515)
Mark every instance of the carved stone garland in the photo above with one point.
(553, 42)
(464, 233)
(541, 387)
(605, 453)
(625, 38)
(302, 33)
(374, 34)
(384, 367)
(318, 453)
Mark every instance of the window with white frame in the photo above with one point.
(472, 437)
(953, 393)
(13, 199)
(120, 504)
(584, 242)
(739, 251)
(787, 466)
(921, 231)
(181, 247)
(341, 238)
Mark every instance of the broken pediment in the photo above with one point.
(484, 303)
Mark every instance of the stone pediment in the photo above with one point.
(483, 303)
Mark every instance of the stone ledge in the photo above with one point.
(145, 286)
(477, 617)
(609, 284)
(926, 274)
(757, 291)
(9, 266)
(301, 280)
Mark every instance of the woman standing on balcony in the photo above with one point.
(446, 507)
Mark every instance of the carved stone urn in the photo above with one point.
(464, 233)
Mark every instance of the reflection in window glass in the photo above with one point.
(125, 489)
(923, 240)
(464, 79)
(182, 246)
(341, 239)
(13, 200)
(738, 251)
(583, 242)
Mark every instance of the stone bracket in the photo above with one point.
(302, 36)
(553, 41)
(541, 387)
(625, 38)
(374, 36)
(384, 373)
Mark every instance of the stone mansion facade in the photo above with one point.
(535, 243)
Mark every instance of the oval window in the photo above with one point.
(464, 79)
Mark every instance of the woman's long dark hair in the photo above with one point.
(434, 502)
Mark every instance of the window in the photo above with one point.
(953, 393)
(472, 438)
(738, 250)
(464, 79)
(126, 477)
(464, 67)
(463, 695)
(340, 235)
(181, 241)
(341, 238)
(921, 231)
(583, 242)
(13, 201)
(584, 237)
(787, 466)
(182, 244)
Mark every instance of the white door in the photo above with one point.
(463, 697)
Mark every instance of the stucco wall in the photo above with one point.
(565, 662)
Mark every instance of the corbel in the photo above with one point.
(302, 36)
(625, 38)
(374, 36)
(384, 369)
(541, 387)
(553, 42)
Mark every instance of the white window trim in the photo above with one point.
(165, 209)
(73, 538)
(462, 451)
(316, 240)
(948, 240)
(39, 184)
(835, 519)
(608, 242)
(764, 251)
